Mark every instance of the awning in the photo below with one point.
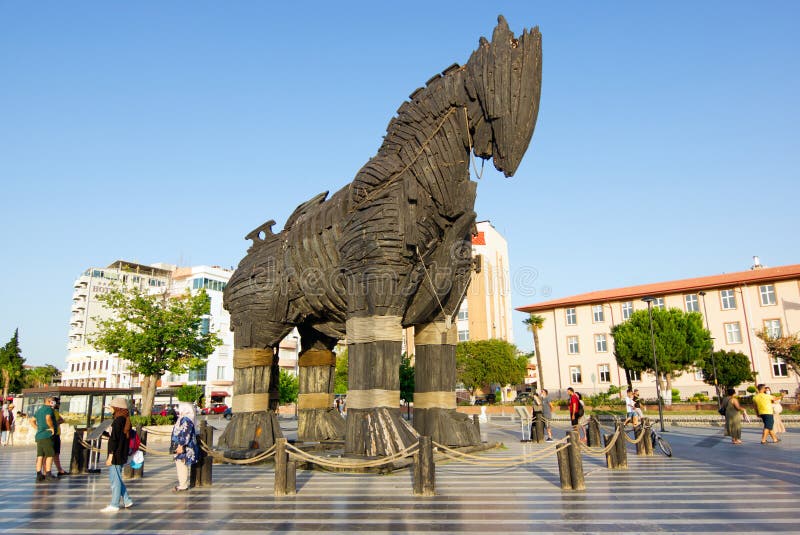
(219, 394)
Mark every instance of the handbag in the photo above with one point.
(721, 410)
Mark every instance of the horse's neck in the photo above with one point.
(427, 140)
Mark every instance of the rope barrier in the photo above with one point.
(639, 439)
(323, 461)
(589, 450)
(458, 456)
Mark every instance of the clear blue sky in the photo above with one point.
(666, 146)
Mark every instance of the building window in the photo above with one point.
(728, 299)
(772, 328)
(597, 314)
(205, 325)
(659, 303)
(691, 303)
(733, 334)
(197, 375)
(767, 293)
(600, 343)
(636, 375)
(572, 345)
(463, 315)
(779, 367)
(208, 284)
(572, 317)
(627, 310)
(699, 375)
(220, 373)
(575, 374)
(463, 335)
(605, 373)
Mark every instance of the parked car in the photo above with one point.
(215, 408)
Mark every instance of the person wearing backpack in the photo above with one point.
(575, 411)
(118, 446)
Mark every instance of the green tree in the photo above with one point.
(40, 376)
(681, 341)
(406, 379)
(11, 365)
(486, 362)
(155, 333)
(786, 348)
(534, 324)
(340, 374)
(191, 393)
(288, 387)
(733, 369)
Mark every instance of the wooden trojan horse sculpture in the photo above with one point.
(389, 251)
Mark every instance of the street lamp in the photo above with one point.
(649, 300)
(713, 360)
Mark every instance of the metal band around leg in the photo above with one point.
(315, 401)
(250, 402)
(435, 333)
(370, 399)
(374, 329)
(434, 400)
(317, 357)
(247, 357)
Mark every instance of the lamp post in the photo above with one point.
(649, 300)
(713, 360)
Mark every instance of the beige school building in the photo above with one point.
(577, 347)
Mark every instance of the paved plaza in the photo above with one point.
(709, 486)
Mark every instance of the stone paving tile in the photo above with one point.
(709, 486)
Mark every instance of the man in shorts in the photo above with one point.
(574, 409)
(45, 421)
(630, 409)
(763, 403)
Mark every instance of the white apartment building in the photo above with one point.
(87, 366)
(577, 347)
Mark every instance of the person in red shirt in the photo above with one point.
(575, 410)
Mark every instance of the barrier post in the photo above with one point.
(206, 462)
(424, 469)
(477, 423)
(281, 460)
(622, 452)
(79, 458)
(575, 462)
(641, 448)
(563, 469)
(611, 454)
(593, 434)
(291, 478)
(538, 425)
(648, 443)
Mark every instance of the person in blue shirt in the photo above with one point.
(184, 440)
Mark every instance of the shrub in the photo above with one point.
(751, 389)
(698, 398)
(676, 395)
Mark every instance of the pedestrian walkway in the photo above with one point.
(709, 486)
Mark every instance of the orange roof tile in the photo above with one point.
(671, 287)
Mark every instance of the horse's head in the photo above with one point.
(505, 78)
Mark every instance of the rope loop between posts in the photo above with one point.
(497, 462)
(297, 453)
(638, 439)
(264, 455)
(600, 452)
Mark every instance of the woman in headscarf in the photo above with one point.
(184, 441)
(118, 443)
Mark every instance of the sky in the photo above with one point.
(666, 147)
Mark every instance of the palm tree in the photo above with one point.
(534, 323)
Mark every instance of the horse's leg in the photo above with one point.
(253, 426)
(434, 387)
(317, 419)
(374, 425)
